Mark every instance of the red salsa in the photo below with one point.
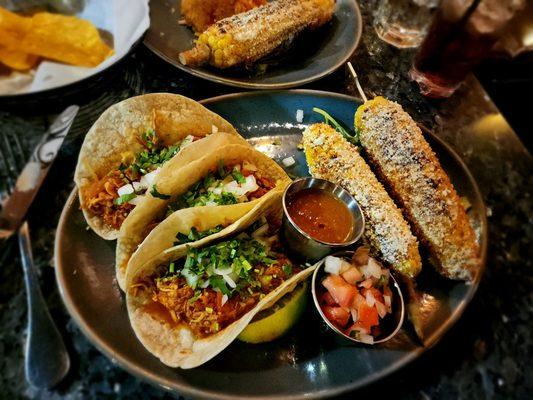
(321, 215)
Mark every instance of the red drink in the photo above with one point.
(461, 35)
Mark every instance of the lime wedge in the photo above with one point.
(275, 321)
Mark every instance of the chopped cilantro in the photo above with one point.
(287, 269)
(196, 296)
(195, 235)
(155, 193)
(217, 282)
(124, 198)
(152, 156)
(238, 176)
(238, 255)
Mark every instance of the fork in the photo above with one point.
(46, 357)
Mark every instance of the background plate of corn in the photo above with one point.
(310, 56)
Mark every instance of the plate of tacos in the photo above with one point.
(170, 252)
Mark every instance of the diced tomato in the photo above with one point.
(368, 316)
(337, 315)
(327, 299)
(375, 292)
(352, 275)
(342, 292)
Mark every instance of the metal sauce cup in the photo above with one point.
(302, 244)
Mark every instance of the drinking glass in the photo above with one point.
(404, 23)
(461, 35)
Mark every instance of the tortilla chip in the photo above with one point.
(17, 59)
(58, 37)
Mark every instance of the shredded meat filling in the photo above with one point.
(100, 200)
(207, 315)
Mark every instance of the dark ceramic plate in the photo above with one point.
(312, 55)
(310, 361)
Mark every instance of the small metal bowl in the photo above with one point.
(390, 325)
(300, 242)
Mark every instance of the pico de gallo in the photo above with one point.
(356, 295)
(114, 196)
(211, 287)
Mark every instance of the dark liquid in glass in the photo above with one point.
(461, 35)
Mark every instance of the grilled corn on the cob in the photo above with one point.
(245, 38)
(409, 168)
(331, 157)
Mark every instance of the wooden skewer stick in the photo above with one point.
(357, 84)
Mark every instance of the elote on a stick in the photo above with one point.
(247, 37)
(408, 167)
(333, 158)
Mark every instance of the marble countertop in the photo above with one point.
(487, 354)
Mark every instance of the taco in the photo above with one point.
(230, 175)
(131, 143)
(189, 308)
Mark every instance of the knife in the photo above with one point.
(16, 206)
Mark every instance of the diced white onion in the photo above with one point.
(371, 269)
(368, 339)
(299, 115)
(210, 203)
(136, 200)
(137, 186)
(355, 317)
(214, 129)
(186, 142)
(224, 299)
(250, 185)
(229, 281)
(370, 299)
(148, 180)
(333, 265)
(126, 189)
(336, 265)
(223, 271)
(191, 277)
(382, 310)
(261, 231)
(215, 190)
(289, 161)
